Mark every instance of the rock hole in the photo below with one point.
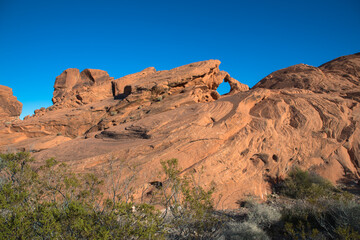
(243, 153)
(242, 203)
(224, 88)
(78, 97)
(156, 184)
(275, 158)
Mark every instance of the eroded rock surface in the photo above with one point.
(73, 88)
(301, 115)
(10, 107)
(340, 76)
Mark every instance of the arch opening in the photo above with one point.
(223, 88)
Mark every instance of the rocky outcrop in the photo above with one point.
(299, 116)
(10, 107)
(340, 76)
(91, 101)
(73, 88)
(235, 86)
(201, 79)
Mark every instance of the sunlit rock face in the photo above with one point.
(340, 76)
(10, 107)
(299, 116)
(73, 88)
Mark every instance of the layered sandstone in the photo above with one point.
(300, 116)
(339, 77)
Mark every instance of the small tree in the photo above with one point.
(191, 206)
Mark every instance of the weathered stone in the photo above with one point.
(340, 76)
(73, 88)
(10, 107)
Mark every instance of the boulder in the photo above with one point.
(73, 88)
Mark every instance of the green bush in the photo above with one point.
(347, 233)
(303, 184)
(320, 210)
(190, 206)
(327, 219)
(53, 203)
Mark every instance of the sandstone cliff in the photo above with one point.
(301, 115)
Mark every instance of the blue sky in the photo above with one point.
(40, 39)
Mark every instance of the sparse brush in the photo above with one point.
(51, 202)
(303, 184)
(262, 214)
(243, 230)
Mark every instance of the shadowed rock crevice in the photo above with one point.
(120, 96)
(128, 133)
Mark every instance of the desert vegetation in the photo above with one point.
(51, 202)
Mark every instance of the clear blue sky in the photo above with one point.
(40, 39)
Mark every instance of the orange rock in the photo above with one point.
(10, 107)
(339, 76)
(73, 88)
(301, 115)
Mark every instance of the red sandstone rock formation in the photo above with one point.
(10, 107)
(73, 88)
(339, 77)
(301, 115)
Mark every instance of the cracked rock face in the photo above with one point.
(10, 107)
(301, 115)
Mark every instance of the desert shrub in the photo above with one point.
(16, 180)
(263, 215)
(344, 216)
(243, 230)
(319, 209)
(53, 203)
(189, 205)
(327, 219)
(300, 221)
(256, 224)
(347, 233)
(303, 184)
(254, 221)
